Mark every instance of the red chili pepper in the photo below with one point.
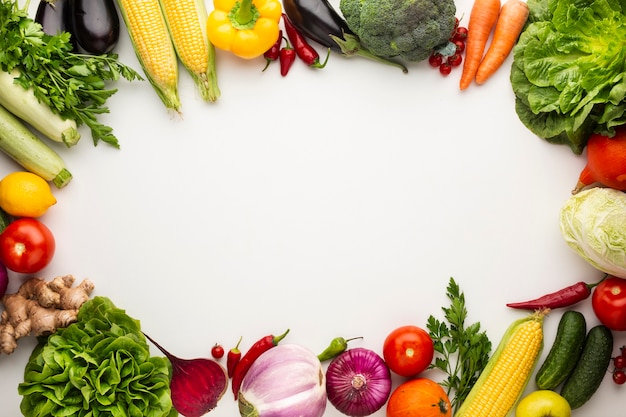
(304, 50)
(287, 57)
(563, 298)
(232, 359)
(257, 349)
(273, 53)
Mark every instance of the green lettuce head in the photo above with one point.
(593, 223)
(98, 366)
(569, 70)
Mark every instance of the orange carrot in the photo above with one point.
(482, 20)
(511, 21)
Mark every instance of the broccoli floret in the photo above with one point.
(405, 29)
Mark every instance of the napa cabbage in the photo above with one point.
(593, 223)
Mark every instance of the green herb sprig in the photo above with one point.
(73, 85)
(462, 352)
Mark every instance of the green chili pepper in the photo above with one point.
(337, 346)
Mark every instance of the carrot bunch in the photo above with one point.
(509, 20)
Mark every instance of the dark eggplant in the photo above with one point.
(54, 18)
(319, 21)
(95, 25)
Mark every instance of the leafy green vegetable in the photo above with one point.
(73, 85)
(462, 351)
(99, 365)
(405, 29)
(593, 223)
(569, 70)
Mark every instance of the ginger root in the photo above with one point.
(40, 307)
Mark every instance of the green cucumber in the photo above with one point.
(565, 351)
(5, 219)
(19, 143)
(591, 367)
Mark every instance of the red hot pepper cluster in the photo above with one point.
(296, 45)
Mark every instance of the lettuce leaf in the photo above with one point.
(98, 366)
(569, 70)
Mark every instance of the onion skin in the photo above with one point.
(358, 382)
(4, 279)
(286, 381)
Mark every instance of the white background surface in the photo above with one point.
(334, 202)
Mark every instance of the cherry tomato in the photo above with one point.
(460, 34)
(619, 361)
(445, 68)
(619, 377)
(217, 351)
(435, 60)
(408, 350)
(609, 303)
(26, 246)
(460, 46)
(455, 60)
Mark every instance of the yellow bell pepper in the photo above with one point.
(247, 28)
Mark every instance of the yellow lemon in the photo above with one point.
(24, 194)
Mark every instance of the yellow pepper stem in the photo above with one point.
(244, 15)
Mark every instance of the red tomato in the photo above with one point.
(26, 246)
(408, 350)
(609, 303)
(217, 351)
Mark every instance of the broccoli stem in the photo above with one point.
(351, 46)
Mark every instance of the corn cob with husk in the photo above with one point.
(153, 46)
(186, 20)
(502, 382)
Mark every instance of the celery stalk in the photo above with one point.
(19, 143)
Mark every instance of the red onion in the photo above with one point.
(4, 279)
(358, 382)
(285, 381)
(197, 384)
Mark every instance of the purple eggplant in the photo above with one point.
(95, 24)
(54, 18)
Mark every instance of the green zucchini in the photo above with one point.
(24, 105)
(19, 143)
(591, 367)
(565, 351)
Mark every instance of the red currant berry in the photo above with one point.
(217, 351)
(435, 60)
(619, 361)
(455, 60)
(619, 377)
(445, 69)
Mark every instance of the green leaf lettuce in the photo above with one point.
(569, 70)
(98, 366)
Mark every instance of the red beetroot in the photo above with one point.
(197, 384)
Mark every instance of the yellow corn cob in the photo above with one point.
(186, 20)
(153, 46)
(508, 371)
